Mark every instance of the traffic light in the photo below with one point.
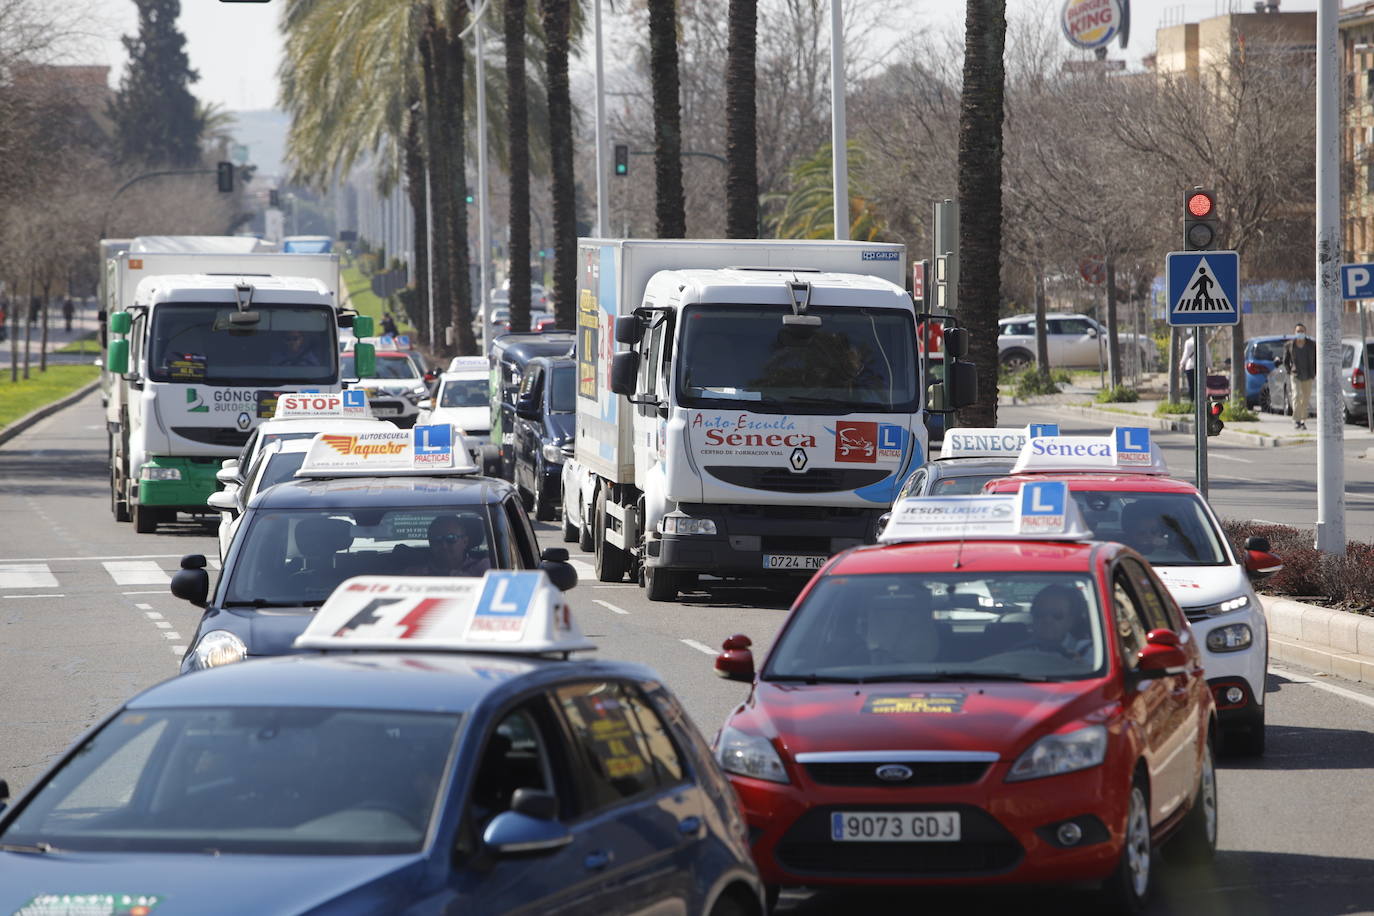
(470, 198)
(622, 160)
(274, 198)
(224, 175)
(1214, 424)
(1200, 226)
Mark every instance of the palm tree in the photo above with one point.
(980, 197)
(453, 134)
(670, 209)
(556, 18)
(517, 131)
(808, 208)
(741, 127)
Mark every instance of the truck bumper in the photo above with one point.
(187, 490)
(748, 536)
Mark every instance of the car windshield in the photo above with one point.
(963, 485)
(855, 359)
(1269, 350)
(1168, 529)
(196, 342)
(464, 392)
(563, 391)
(388, 366)
(943, 626)
(248, 780)
(281, 466)
(296, 557)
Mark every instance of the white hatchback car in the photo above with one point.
(1073, 341)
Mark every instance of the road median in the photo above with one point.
(63, 390)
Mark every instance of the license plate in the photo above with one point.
(898, 827)
(386, 411)
(774, 561)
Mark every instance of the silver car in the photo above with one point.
(1354, 385)
(1073, 341)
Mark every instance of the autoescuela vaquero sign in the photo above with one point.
(1090, 24)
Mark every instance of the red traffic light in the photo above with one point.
(1200, 204)
(1216, 408)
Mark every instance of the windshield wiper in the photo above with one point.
(36, 847)
(814, 679)
(954, 676)
(263, 602)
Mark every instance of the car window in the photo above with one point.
(517, 755)
(1075, 326)
(505, 552)
(464, 392)
(963, 485)
(1269, 350)
(624, 748)
(1131, 621)
(913, 484)
(1158, 611)
(1168, 529)
(278, 468)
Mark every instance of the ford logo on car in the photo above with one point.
(894, 772)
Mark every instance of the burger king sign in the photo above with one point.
(1090, 24)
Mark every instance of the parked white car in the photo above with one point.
(1074, 341)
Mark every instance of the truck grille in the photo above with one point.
(212, 435)
(944, 773)
(783, 480)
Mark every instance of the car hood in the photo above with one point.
(948, 716)
(1194, 586)
(561, 426)
(465, 418)
(267, 631)
(210, 884)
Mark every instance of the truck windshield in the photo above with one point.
(195, 342)
(563, 391)
(857, 359)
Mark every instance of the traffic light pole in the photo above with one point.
(1200, 408)
(1330, 425)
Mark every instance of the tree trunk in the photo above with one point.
(43, 343)
(432, 64)
(419, 209)
(28, 329)
(1042, 341)
(454, 128)
(1113, 339)
(1238, 358)
(555, 15)
(517, 129)
(670, 210)
(741, 123)
(980, 197)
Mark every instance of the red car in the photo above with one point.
(985, 697)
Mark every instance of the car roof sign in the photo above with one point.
(468, 364)
(985, 442)
(434, 449)
(1039, 510)
(304, 405)
(509, 611)
(1128, 450)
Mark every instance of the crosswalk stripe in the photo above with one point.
(583, 568)
(136, 572)
(27, 575)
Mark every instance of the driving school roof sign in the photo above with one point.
(1039, 509)
(301, 405)
(422, 450)
(1090, 24)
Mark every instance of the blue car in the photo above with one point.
(1261, 355)
(433, 751)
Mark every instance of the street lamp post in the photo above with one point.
(839, 149)
(1330, 423)
(483, 204)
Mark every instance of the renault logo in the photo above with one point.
(894, 772)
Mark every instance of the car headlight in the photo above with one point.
(1065, 753)
(749, 755)
(553, 454)
(680, 524)
(152, 473)
(1235, 604)
(1231, 638)
(218, 647)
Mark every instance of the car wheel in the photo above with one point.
(145, 519)
(570, 531)
(1246, 740)
(771, 894)
(1196, 841)
(1016, 360)
(660, 584)
(1264, 404)
(729, 906)
(1127, 890)
(610, 560)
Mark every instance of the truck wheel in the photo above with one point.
(660, 583)
(145, 519)
(610, 560)
(119, 499)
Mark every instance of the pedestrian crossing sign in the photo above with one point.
(1204, 288)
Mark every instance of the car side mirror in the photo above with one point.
(223, 500)
(624, 368)
(426, 404)
(527, 408)
(530, 826)
(191, 583)
(1092, 332)
(228, 476)
(882, 522)
(628, 329)
(560, 572)
(1260, 564)
(1258, 543)
(1162, 655)
(736, 661)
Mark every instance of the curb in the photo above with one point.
(1164, 423)
(1338, 642)
(47, 410)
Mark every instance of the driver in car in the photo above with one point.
(1059, 618)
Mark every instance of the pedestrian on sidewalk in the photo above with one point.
(388, 325)
(1185, 362)
(1300, 359)
(68, 310)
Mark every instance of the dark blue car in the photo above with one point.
(410, 781)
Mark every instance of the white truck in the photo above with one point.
(202, 343)
(763, 416)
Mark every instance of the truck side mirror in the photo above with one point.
(362, 325)
(117, 357)
(120, 322)
(628, 329)
(956, 343)
(624, 368)
(963, 383)
(365, 359)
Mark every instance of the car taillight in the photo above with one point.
(1257, 369)
(1357, 378)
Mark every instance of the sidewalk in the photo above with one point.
(84, 324)
(1335, 642)
(1269, 430)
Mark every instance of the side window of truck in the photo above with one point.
(136, 344)
(663, 387)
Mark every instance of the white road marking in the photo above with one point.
(618, 585)
(136, 556)
(152, 615)
(154, 591)
(215, 564)
(583, 568)
(608, 606)
(700, 647)
(136, 572)
(162, 624)
(1231, 458)
(168, 634)
(147, 607)
(1362, 699)
(178, 650)
(33, 596)
(27, 575)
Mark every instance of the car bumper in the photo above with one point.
(1008, 831)
(1246, 667)
(188, 492)
(747, 535)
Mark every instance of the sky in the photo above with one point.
(236, 47)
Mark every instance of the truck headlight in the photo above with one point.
(749, 755)
(152, 473)
(218, 647)
(1055, 754)
(680, 524)
(1231, 638)
(553, 454)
